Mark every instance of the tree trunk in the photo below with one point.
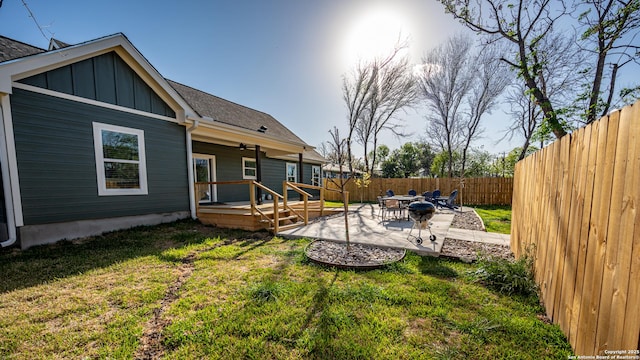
(525, 147)
(346, 218)
(595, 90)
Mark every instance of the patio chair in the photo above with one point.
(428, 196)
(435, 195)
(450, 202)
(412, 192)
(382, 207)
(393, 205)
(390, 192)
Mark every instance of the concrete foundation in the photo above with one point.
(32, 235)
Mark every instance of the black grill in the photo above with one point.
(420, 212)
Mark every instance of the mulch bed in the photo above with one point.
(360, 256)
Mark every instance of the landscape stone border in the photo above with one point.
(360, 257)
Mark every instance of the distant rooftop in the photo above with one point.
(13, 49)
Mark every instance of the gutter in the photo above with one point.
(192, 196)
(6, 182)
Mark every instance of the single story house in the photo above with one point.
(332, 171)
(94, 139)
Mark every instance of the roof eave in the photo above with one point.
(225, 134)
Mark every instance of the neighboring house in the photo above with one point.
(94, 139)
(332, 171)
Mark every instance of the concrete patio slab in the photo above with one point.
(479, 236)
(366, 227)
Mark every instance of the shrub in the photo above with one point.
(266, 291)
(507, 276)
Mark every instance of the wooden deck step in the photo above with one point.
(290, 217)
(289, 226)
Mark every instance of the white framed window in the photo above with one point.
(249, 168)
(292, 172)
(316, 178)
(121, 165)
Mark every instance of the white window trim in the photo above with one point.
(286, 172)
(244, 167)
(99, 153)
(212, 173)
(318, 181)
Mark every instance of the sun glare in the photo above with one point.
(374, 34)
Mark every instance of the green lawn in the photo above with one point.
(333, 204)
(237, 295)
(496, 218)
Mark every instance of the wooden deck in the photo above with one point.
(240, 216)
(276, 214)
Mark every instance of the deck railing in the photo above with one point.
(275, 221)
(297, 187)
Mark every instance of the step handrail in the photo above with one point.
(275, 222)
(289, 185)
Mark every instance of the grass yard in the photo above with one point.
(496, 218)
(187, 291)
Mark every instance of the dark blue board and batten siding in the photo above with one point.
(56, 161)
(229, 168)
(106, 78)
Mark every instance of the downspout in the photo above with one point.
(6, 181)
(192, 197)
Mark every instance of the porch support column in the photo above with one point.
(258, 173)
(300, 173)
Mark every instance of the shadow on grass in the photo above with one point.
(436, 267)
(41, 264)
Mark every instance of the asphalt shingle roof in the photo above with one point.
(230, 113)
(12, 49)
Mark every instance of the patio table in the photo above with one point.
(404, 200)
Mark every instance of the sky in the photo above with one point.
(282, 57)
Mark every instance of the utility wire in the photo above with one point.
(33, 17)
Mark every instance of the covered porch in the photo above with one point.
(265, 209)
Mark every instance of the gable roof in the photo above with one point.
(229, 113)
(37, 61)
(13, 49)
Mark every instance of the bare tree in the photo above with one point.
(444, 84)
(609, 29)
(523, 24)
(489, 81)
(338, 146)
(526, 115)
(374, 93)
(356, 90)
(397, 91)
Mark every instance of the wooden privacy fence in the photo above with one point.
(476, 191)
(575, 210)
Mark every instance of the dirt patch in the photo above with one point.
(151, 346)
(151, 341)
